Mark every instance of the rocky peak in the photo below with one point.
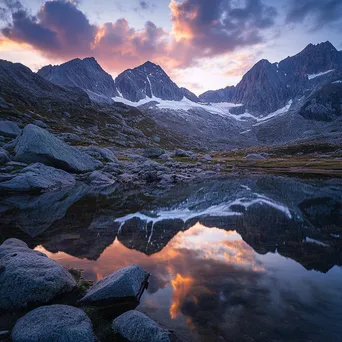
(147, 81)
(86, 74)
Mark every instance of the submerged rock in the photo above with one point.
(29, 277)
(9, 129)
(137, 327)
(126, 283)
(38, 177)
(54, 323)
(35, 144)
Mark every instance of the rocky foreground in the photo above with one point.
(34, 160)
(43, 301)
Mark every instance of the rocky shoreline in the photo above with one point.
(34, 160)
(43, 301)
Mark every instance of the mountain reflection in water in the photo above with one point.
(240, 259)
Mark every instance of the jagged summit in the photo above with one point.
(86, 74)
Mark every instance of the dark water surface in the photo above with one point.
(238, 259)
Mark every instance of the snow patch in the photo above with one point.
(339, 81)
(312, 76)
(278, 112)
(320, 243)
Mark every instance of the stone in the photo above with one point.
(153, 152)
(181, 153)
(38, 177)
(38, 145)
(98, 178)
(54, 323)
(156, 139)
(207, 157)
(9, 129)
(40, 123)
(4, 156)
(165, 157)
(125, 283)
(135, 326)
(29, 277)
(255, 157)
(100, 153)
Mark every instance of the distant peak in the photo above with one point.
(90, 59)
(324, 45)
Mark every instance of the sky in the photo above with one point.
(202, 44)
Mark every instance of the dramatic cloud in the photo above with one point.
(60, 30)
(219, 26)
(321, 12)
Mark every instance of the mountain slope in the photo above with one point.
(86, 74)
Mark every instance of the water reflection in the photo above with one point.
(210, 285)
(245, 259)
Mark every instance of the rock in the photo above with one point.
(54, 323)
(153, 152)
(29, 277)
(181, 153)
(100, 153)
(9, 129)
(156, 139)
(125, 283)
(207, 157)
(255, 157)
(38, 145)
(165, 157)
(69, 137)
(4, 156)
(40, 123)
(38, 177)
(98, 178)
(137, 327)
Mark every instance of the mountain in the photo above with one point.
(20, 85)
(86, 74)
(149, 81)
(268, 87)
(216, 96)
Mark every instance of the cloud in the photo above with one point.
(320, 12)
(200, 29)
(218, 26)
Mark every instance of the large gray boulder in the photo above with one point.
(126, 283)
(35, 144)
(137, 327)
(38, 177)
(29, 277)
(54, 323)
(9, 129)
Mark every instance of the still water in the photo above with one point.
(239, 259)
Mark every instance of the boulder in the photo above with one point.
(29, 277)
(38, 177)
(134, 326)
(125, 283)
(9, 129)
(255, 157)
(54, 323)
(40, 123)
(165, 157)
(181, 153)
(4, 156)
(100, 153)
(35, 144)
(207, 157)
(98, 178)
(153, 152)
